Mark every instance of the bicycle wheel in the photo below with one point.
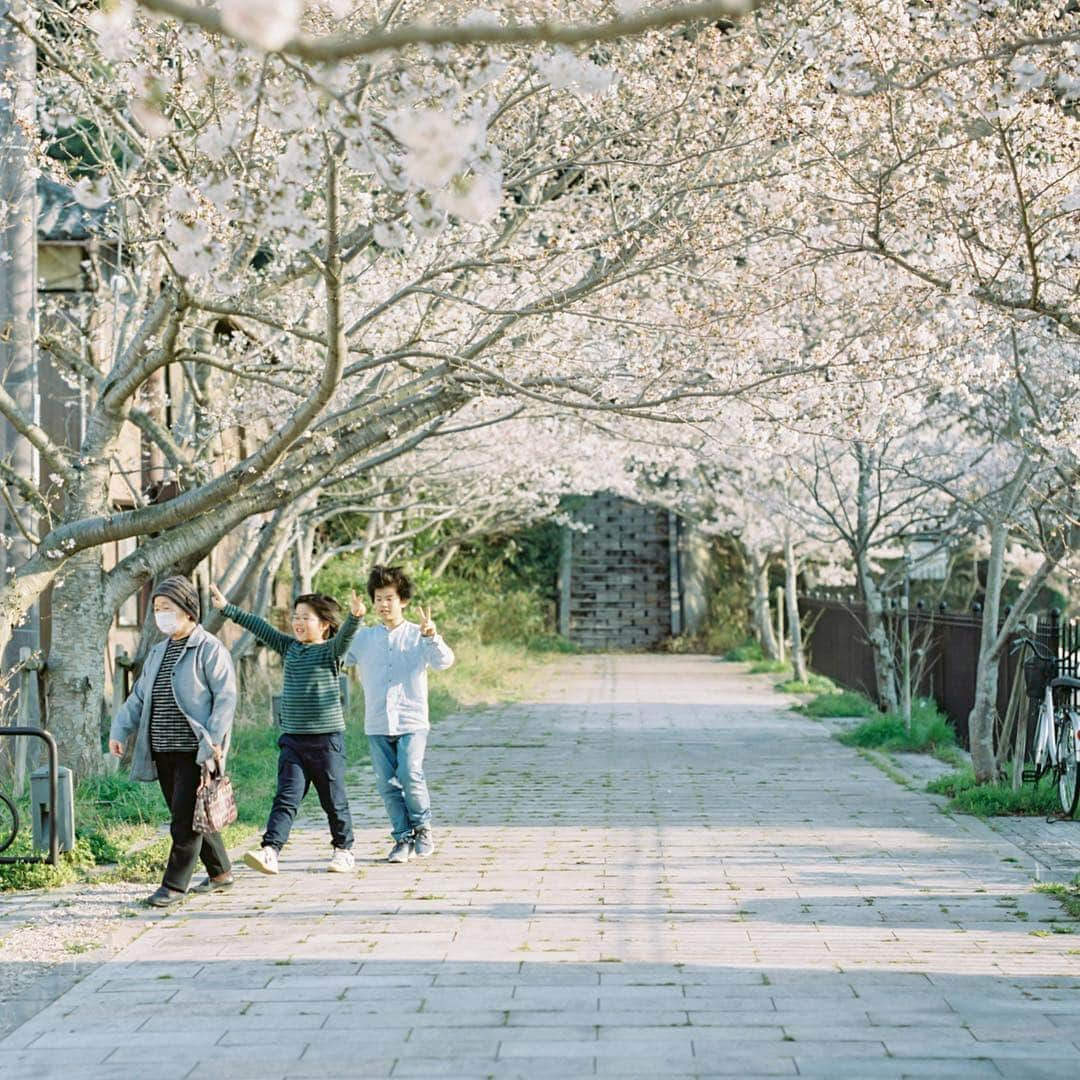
(1043, 747)
(1068, 774)
(7, 838)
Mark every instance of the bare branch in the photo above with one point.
(343, 47)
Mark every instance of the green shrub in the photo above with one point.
(552, 643)
(103, 847)
(770, 667)
(813, 684)
(748, 650)
(989, 800)
(115, 798)
(1069, 895)
(70, 868)
(838, 703)
(930, 731)
(485, 608)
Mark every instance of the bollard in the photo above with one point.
(65, 809)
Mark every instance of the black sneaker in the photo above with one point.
(208, 884)
(163, 897)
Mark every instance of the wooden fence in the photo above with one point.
(945, 649)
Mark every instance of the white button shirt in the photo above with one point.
(393, 669)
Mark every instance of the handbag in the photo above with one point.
(215, 803)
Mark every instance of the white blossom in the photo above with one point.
(1026, 74)
(561, 69)
(180, 200)
(150, 118)
(92, 193)
(475, 198)
(221, 193)
(112, 25)
(192, 252)
(437, 146)
(428, 221)
(390, 235)
(269, 24)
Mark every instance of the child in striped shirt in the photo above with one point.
(312, 741)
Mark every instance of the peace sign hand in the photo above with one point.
(217, 597)
(356, 605)
(427, 626)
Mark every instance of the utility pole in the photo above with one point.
(780, 621)
(905, 615)
(18, 280)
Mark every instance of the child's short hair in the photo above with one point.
(387, 577)
(326, 607)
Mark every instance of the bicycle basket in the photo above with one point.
(1037, 675)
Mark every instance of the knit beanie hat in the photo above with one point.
(181, 592)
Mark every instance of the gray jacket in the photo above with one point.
(204, 683)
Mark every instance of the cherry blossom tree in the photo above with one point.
(330, 262)
(801, 232)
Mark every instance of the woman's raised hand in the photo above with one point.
(217, 597)
(427, 625)
(356, 605)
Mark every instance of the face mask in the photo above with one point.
(167, 622)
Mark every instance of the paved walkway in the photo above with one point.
(652, 872)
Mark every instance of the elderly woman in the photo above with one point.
(181, 712)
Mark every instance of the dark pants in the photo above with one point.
(179, 776)
(306, 760)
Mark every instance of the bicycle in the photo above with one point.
(1056, 748)
(9, 831)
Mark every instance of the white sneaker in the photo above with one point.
(341, 862)
(264, 860)
(423, 843)
(402, 851)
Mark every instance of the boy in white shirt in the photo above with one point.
(392, 660)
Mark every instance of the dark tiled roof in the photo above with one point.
(60, 217)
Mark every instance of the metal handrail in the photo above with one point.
(54, 839)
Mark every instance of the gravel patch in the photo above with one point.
(50, 939)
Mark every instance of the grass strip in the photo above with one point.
(770, 667)
(812, 684)
(991, 800)
(838, 703)
(1069, 895)
(930, 731)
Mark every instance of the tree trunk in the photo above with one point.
(791, 594)
(761, 616)
(445, 561)
(984, 709)
(302, 556)
(884, 662)
(75, 684)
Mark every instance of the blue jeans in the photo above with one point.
(398, 763)
(307, 760)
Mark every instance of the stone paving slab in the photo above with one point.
(655, 870)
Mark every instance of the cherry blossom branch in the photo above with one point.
(78, 535)
(1003, 52)
(343, 47)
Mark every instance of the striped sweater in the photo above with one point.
(310, 697)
